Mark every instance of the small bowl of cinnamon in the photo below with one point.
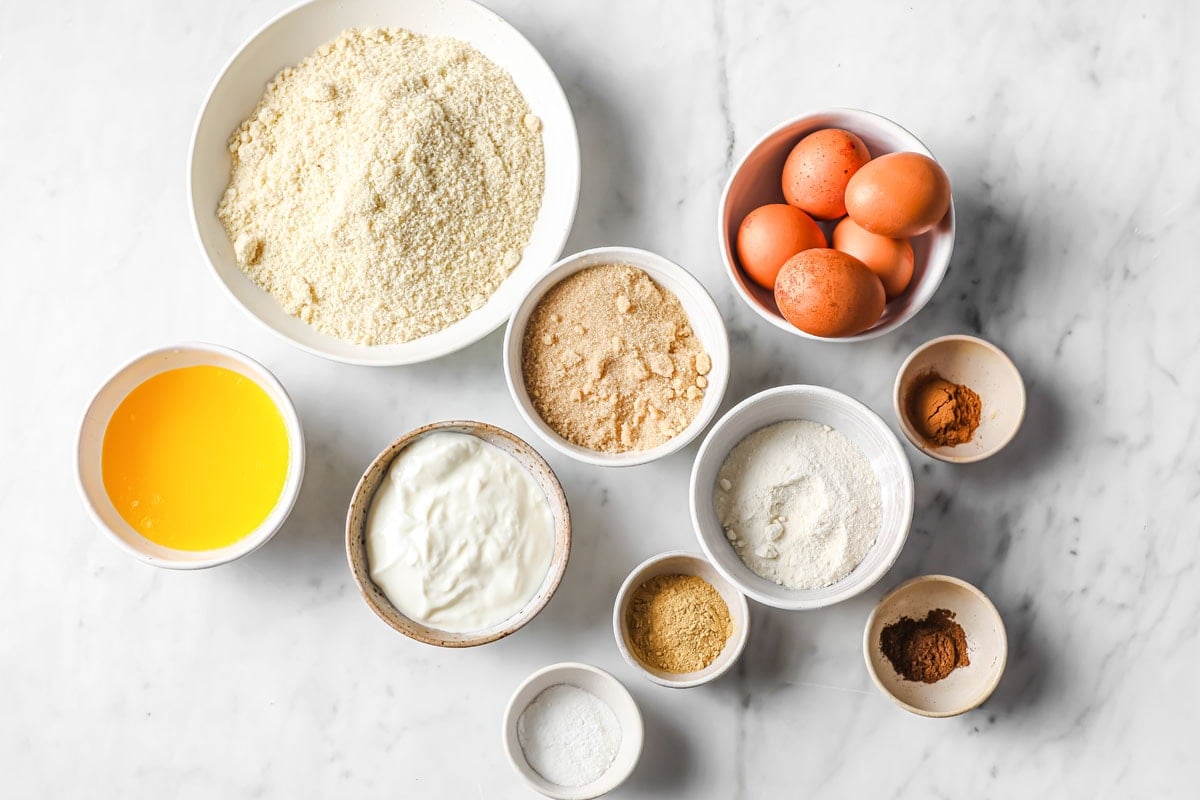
(959, 399)
(936, 645)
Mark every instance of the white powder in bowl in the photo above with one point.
(385, 186)
(568, 735)
(799, 503)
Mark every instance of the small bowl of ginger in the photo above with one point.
(959, 399)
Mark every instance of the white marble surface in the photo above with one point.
(1069, 131)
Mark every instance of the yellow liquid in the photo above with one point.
(195, 458)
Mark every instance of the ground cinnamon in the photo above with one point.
(945, 414)
(925, 650)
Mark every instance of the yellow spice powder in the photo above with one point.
(677, 623)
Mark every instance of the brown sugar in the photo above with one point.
(945, 414)
(610, 360)
(925, 650)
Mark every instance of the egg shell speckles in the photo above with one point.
(818, 169)
(891, 259)
(829, 293)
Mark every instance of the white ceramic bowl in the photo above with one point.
(757, 179)
(606, 688)
(681, 563)
(987, 646)
(702, 312)
(984, 368)
(89, 450)
(360, 508)
(860, 425)
(287, 40)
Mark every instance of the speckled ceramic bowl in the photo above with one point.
(360, 506)
(983, 367)
(987, 646)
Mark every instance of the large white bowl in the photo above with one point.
(757, 180)
(605, 687)
(89, 471)
(702, 312)
(294, 35)
(860, 425)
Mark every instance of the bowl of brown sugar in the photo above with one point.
(617, 357)
(679, 622)
(936, 646)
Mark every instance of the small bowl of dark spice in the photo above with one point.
(936, 645)
(959, 399)
(679, 622)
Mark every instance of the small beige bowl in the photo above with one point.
(356, 525)
(984, 368)
(681, 563)
(987, 646)
(605, 687)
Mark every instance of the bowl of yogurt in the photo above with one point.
(458, 534)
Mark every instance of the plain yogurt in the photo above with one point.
(459, 534)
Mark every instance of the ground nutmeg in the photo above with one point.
(925, 650)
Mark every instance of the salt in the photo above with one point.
(568, 735)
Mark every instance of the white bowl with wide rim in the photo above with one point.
(860, 425)
(608, 690)
(703, 315)
(294, 35)
(757, 180)
(89, 452)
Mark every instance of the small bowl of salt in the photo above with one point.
(572, 731)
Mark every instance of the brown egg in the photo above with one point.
(890, 259)
(829, 293)
(770, 235)
(819, 167)
(899, 195)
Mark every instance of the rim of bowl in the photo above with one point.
(737, 641)
(718, 377)
(910, 433)
(977, 699)
(587, 791)
(287, 495)
(450, 347)
(907, 491)
(732, 271)
(419, 631)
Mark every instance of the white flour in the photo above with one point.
(569, 736)
(799, 503)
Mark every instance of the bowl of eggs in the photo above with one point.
(837, 225)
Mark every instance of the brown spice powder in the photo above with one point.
(610, 361)
(925, 650)
(945, 414)
(677, 623)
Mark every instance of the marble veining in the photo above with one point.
(1069, 133)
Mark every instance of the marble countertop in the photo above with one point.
(1069, 131)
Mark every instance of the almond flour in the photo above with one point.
(385, 186)
(610, 361)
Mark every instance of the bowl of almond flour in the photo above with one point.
(380, 182)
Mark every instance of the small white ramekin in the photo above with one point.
(702, 312)
(605, 687)
(89, 472)
(680, 563)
